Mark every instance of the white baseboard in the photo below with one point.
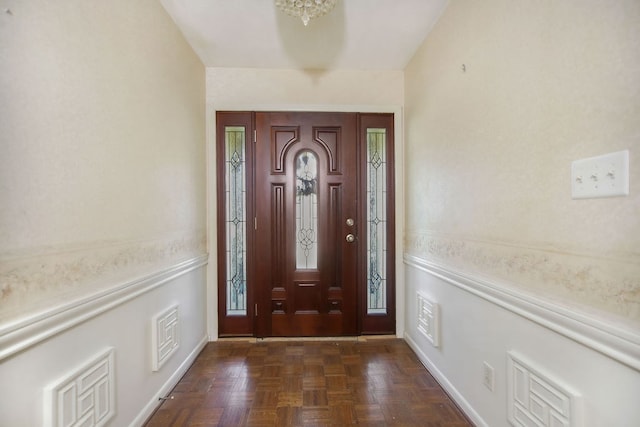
(169, 384)
(445, 383)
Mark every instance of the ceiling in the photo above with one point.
(356, 35)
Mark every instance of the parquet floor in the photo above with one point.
(377, 382)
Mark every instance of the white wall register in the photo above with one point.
(85, 397)
(429, 319)
(534, 399)
(165, 338)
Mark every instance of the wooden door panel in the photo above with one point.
(282, 137)
(334, 238)
(329, 137)
(307, 297)
(278, 228)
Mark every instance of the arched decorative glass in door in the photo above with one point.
(306, 211)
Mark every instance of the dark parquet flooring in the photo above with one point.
(377, 382)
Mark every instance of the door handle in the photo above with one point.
(350, 238)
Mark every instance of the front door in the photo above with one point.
(305, 224)
(306, 228)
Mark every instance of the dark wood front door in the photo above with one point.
(306, 224)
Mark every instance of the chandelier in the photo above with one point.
(306, 9)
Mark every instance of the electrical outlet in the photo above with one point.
(488, 376)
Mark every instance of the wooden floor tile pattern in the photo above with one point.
(378, 382)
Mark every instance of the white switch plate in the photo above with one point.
(600, 176)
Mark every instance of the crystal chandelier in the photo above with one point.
(306, 9)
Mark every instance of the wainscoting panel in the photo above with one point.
(30, 330)
(573, 368)
(85, 397)
(429, 319)
(534, 398)
(619, 343)
(165, 337)
(49, 363)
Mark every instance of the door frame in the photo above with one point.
(212, 207)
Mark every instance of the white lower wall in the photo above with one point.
(122, 323)
(599, 364)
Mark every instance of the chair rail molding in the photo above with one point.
(25, 332)
(615, 341)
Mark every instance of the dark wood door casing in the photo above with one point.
(282, 300)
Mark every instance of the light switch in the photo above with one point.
(600, 176)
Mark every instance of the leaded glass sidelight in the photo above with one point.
(235, 220)
(376, 221)
(306, 211)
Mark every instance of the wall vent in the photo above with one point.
(429, 319)
(85, 397)
(164, 337)
(535, 399)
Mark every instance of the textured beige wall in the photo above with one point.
(242, 87)
(489, 149)
(102, 170)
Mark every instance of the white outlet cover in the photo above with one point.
(488, 376)
(600, 176)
